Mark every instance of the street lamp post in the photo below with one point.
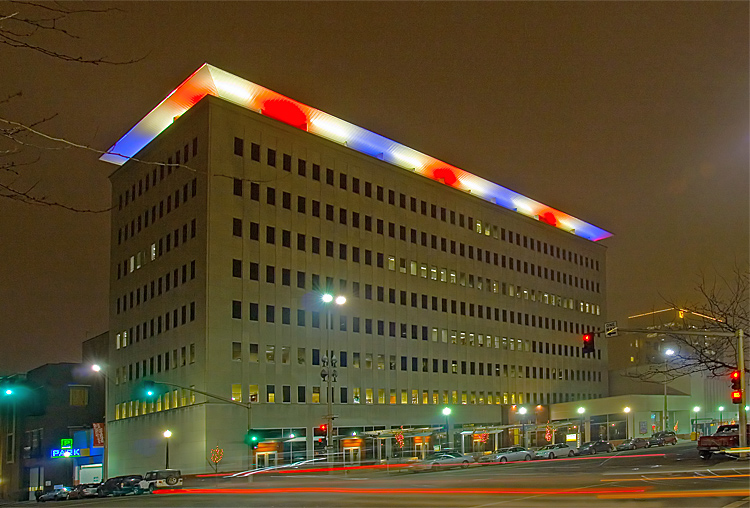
(167, 435)
(627, 423)
(522, 411)
(696, 409)
(721, 415)
(581, 410)
(667, 354)
(105, 469)
(328, 372)
(447, 413)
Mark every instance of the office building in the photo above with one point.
(236, 209)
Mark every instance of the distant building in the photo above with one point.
(47, 424)
(236, 209)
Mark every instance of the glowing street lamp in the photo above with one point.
(447, 413)
(626, 410)
(667, 354)
(721, 411)
(696, 409)
(167, 435)
(581, 410)
(522, 411)
(328, 372)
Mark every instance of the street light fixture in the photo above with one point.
(328, 372)
(447, 413)
(167, 435)
(721, 411)
(667, 354)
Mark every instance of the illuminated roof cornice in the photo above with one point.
(209, 80)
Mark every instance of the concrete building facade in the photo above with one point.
(231, 222)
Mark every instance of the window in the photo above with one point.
(271, 161)
(237, 227)
(270, 392)
(237, 392)
(237, 268)
(237, 187)
(79, 395)
(236, 309)
(237, 351)
(239, 146)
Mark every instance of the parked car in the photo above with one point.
(632, 444)
(83, 490)
(552, 451)
(120, 486)
(663, 438)
(437, 461)
(161, 479)
(592, 447)
(503, 455)
(55, 495)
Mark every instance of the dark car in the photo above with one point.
(662, 438)
(632, 444)
(593, 447)
(120, 486)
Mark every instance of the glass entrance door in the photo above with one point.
(265, 459)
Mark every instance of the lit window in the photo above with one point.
(79, 395)
(391, 263)
(252, 394)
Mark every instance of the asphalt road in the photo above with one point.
(672, 476)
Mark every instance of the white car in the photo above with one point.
(503, 455)
(552, 451)
(441, 460)
(161, 479)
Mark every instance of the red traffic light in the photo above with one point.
(736, 387)
(323, 427)
(588, 343)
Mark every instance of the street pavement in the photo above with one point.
(672, 476)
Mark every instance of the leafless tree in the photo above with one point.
(40, 28)
(723, 307)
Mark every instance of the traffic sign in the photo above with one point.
(610, 329)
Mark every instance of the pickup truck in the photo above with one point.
(723, 441)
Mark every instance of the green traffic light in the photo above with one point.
(8, 391)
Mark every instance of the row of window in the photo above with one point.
(156, 250)
(179, 397)
(177, 358)
(355, 254)
(171, 280)
(156, 212)
(157, 175)
(520, 318)
(155, 326)
(372, 361)
(186, 397)
(461, 279)
(446, 215)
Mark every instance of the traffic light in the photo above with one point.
(736, 387)
(252, 438)
(321, 434)
(588, 343)
(149, 390)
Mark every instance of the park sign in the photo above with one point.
(72, 452)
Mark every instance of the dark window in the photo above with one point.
(255, 192)
(301, 204)
(255, 152)
(236, 309)
(329, 176)
(316, 172)
(271, 196)
(237, 187)
(301, 167)
(286, 163)
(254, 230)
(239, 146)
(237, 268)
(342, 181)
(271, 157)
(270, 234)
(237, 227)
(270, 314)
(286, 200)
(253, 312)
(254, 269)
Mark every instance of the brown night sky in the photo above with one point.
(631, 116)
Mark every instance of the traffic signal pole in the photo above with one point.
(743, 391)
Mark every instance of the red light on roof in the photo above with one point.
(285, 111)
